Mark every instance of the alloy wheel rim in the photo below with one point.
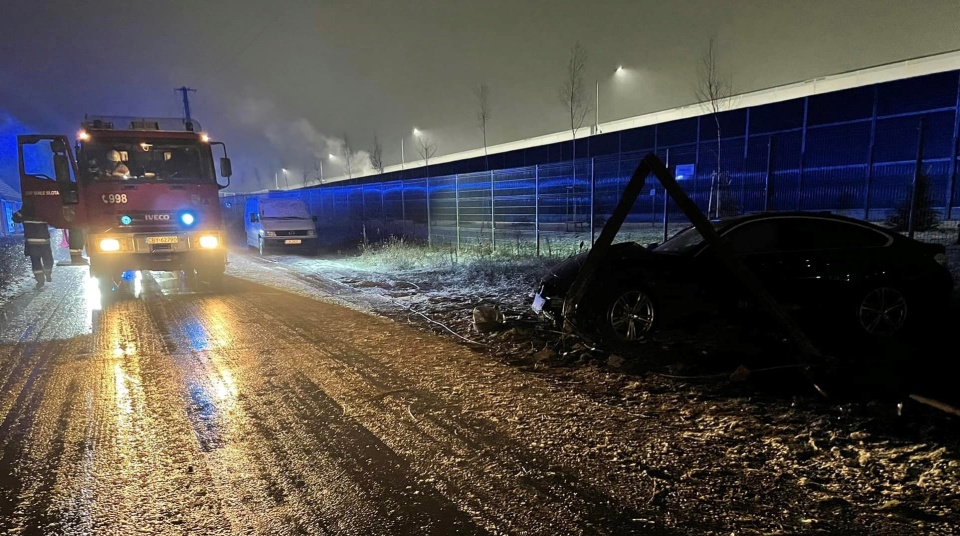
(883, 311)
(631, 315)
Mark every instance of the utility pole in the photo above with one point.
(596, 126)
(185, 91)
(402, 158)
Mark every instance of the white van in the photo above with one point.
(279, 224)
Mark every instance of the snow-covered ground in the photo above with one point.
(15, 273)
(847, 458)
(731, 441)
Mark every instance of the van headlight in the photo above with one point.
(109, 244)
(209, 241)
(311, 232)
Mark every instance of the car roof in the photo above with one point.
(794, 215)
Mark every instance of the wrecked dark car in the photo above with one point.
(829, 271)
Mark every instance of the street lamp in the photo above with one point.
(403, 158)
(620, 70)
(276, 177)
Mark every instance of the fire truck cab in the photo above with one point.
(143, 191)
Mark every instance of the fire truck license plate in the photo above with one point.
(163, 239)
(291, 241)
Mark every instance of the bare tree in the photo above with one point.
(426, 148)
(714, 89)
(376, 155)
(318, 170)
(482, 93)
(573, 96)
(347, 156)
(573, 90)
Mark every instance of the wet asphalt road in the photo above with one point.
(254, 411)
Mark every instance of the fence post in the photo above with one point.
(952, 174)
(666, 201)
(363, 205)
(383, 215)
(456, 200)
(429, 224)
(766, 178)
(493, 217)
(696, 169)
(870, 155)
(593, 189)
(803, 151)
(917, 171)
(536, 205)
(403, 203)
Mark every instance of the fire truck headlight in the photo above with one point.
(187, 218)
(209, 241)
(109, 244)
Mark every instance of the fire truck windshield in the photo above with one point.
(171, 161)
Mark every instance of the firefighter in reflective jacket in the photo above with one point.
(36, 236)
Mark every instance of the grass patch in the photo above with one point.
(472, 262)
(400, 254)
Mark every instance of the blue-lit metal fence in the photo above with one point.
(852, 152)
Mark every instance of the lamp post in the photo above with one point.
(276, 177)
(403, 159)
(597, 107)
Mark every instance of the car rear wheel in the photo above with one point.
(882, 311)
(630, 314)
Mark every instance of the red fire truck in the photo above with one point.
(142, 191)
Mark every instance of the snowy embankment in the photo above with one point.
(15, 275)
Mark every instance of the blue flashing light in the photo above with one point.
(187, 218)
(126, 220)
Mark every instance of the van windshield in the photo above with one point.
(284, 210)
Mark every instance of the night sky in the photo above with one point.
(282, 81)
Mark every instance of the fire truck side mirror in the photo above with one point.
(226, 170)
